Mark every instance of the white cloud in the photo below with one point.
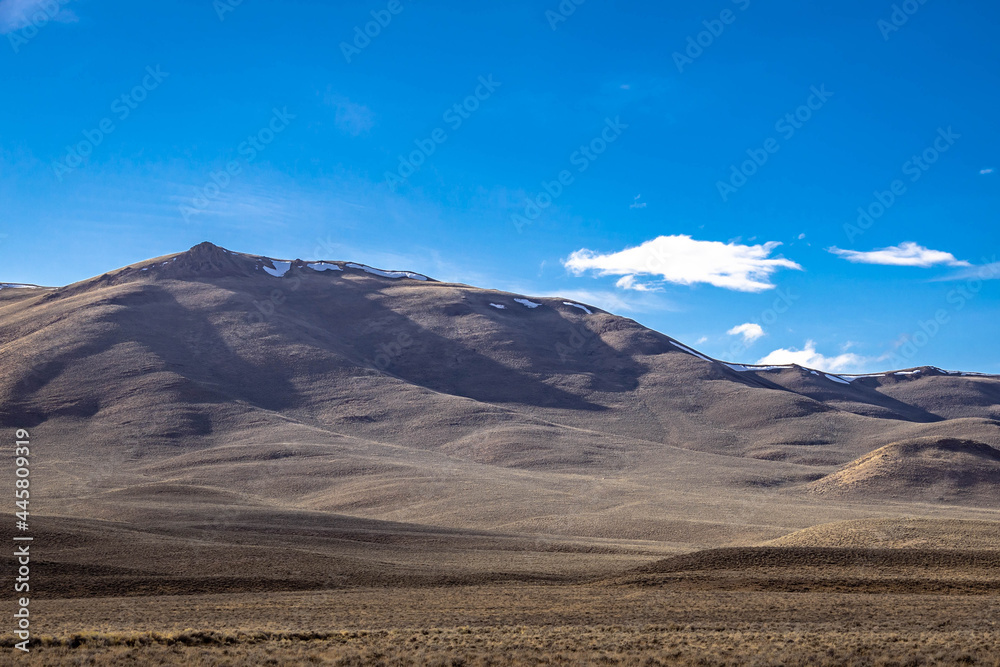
(685, 261)
(17, 14)
(702, 340)
(751, 332)
(638, 204)
(810, 358)
(628, 282)
(984, 172)
(802, 236)
(904, 254)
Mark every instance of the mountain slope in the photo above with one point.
(332, 386)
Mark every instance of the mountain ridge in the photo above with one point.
(207, 259)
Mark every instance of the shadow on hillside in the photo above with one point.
(348, 323)
(183, 341)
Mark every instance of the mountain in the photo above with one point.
(215, 383)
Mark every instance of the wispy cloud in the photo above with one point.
(988, 271)
(984, 172)
(629, 282)
(349, 117)
(613, 302)
(809, 357)
(17, 14)
(904, 254)
(751, 332)
(686, 261)
(636, 203)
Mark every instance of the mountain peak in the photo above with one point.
(205, 248)
(209, 259)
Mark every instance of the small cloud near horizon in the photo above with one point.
(809, 357)
(904, 254)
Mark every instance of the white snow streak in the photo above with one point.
(690, 351)
(387, 274)
(323, 266)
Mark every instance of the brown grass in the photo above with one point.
(514, 624)
(527, 646)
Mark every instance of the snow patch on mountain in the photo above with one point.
(690, 351)
(528, 304)
(915, 372)
(280, 268)
(323, 266)
(388, 274)
(576, 305)
(742, 368)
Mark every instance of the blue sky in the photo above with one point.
(696, 166)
